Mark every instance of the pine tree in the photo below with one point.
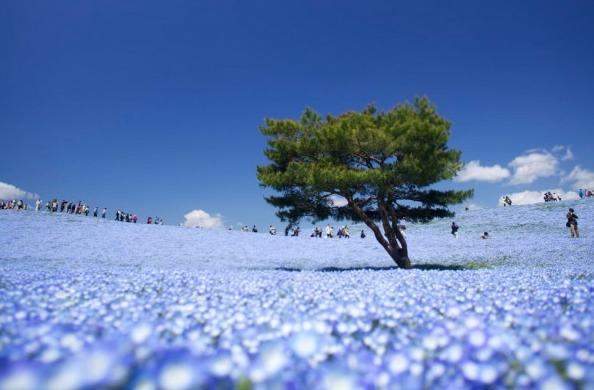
(382, 166)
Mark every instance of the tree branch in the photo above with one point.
(361, 214)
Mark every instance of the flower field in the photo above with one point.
(94, 303)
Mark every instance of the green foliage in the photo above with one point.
(382, 163)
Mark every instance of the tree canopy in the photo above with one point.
(382, 166)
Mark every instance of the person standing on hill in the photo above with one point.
(455, 228)
(572, 224)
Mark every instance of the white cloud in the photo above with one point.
(200, 218)
(474, 171)
(581, 178)
(8, 192)
(564, 152)
(338, 201)
(532, 197)
(529, 167)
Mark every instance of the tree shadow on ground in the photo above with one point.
(422, 267)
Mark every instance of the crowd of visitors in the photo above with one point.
(343, 232)
(552, 197)
(80, 208)
(13, 205)
(126, 217)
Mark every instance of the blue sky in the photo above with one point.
(154, 107)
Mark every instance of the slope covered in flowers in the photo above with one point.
(87, 302)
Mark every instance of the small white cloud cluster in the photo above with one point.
(9, 192)
(532, 166)
(564, 152)
(581, 178)
(475, 171)
(202, 219)
(526, 169)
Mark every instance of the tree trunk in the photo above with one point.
(398, 254)
(403, 252)
(400, 258)
(398, 249)
(288, 228)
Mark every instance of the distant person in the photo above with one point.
(149, 220)
(363, 234)
(455, 229)
(254, 229)
(272, 230)
(345, 232)
(329, 231)
(295, 232)
(581, 193)
(485, 235)
(103, 212)
(572, 224)
(38, 203)
(95, 212)
(317, 232)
